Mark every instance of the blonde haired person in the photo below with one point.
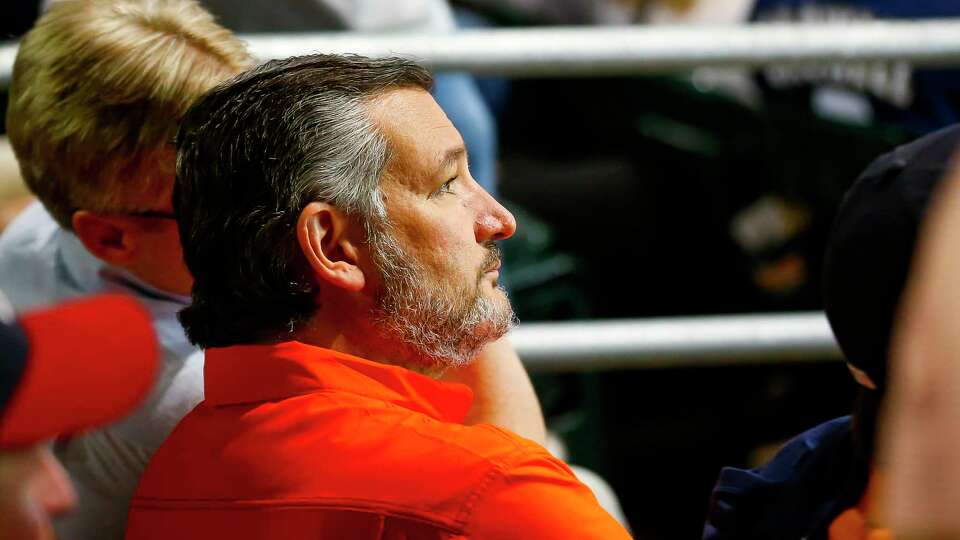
(99, 87)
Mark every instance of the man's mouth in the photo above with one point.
(491, 263)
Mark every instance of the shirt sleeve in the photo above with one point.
(537, 496)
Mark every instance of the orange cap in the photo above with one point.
(87, 362)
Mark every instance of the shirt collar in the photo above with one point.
(79, 266)
(90, 274)
(125, 279)
(256, 373)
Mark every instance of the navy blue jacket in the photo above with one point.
(796, 495)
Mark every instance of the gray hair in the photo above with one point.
(344, 165)
(251, 154)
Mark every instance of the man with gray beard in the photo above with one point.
(443, 326)
(343, 259)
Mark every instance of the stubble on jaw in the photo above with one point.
(436, 324)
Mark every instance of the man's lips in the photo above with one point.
(491, 263)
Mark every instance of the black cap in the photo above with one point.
(871, 246)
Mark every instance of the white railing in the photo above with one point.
(675, 342)
(595, 51)
(591, 51)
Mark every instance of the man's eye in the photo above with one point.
(446, 187)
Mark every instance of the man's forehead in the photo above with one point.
(418, 130)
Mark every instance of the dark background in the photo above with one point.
(634, 183)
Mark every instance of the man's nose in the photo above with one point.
(495, 222)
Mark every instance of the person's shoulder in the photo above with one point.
(488, 442)
(826, 433)
(31, 228)
(28, 254)
(497, 454)
(41, 263)
(540, 494)
(499, 474)
(331, 450)
(796, 452)
(479, 450)
(340, 436)
(315, 451)
(786, 493)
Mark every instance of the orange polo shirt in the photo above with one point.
(295, 441)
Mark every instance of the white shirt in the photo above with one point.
(41, 264)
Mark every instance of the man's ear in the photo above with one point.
(109, 239)
(323, 238)
(861, 377)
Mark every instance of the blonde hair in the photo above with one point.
(99, 87)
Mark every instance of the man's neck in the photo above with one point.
(367, 343)
(168, 283)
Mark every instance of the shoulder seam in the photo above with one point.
(497, 471)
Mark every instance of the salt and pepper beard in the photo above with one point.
(443, 323)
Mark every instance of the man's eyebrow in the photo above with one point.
(450, 158)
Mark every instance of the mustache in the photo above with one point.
(493, 257)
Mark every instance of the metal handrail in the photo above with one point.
(676, 342)
(591, 51)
